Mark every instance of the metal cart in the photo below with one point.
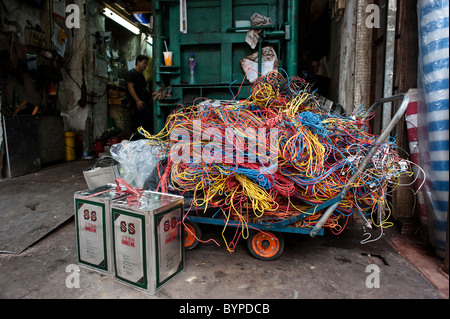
(266, 241)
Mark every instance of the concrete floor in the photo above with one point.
(323, 267)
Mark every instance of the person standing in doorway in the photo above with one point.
(140, 96)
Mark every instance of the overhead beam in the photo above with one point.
(142, 7)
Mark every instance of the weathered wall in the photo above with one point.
(363, 56)
(13, 43)
(349, 61)
(347, 33)
(70, 92)
(91, 120)
(341, 64)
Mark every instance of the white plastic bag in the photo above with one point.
(269, 62)
(137, 160)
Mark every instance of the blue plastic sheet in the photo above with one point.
(433, 114)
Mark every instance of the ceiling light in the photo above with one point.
(117, 18)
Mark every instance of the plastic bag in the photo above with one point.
(269, 62)
(137, 160)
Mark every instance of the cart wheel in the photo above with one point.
(192, 233)
(265, 245)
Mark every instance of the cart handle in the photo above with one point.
(381, 139)
(382, 101)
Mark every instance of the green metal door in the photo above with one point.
(218, 46)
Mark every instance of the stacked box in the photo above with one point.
(147, 239)
(98, 176)
(93, 227)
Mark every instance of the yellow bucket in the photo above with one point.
(70, 146)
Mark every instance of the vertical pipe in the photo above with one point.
(389, 60)
(157, 60)
(157, 41)
(281, 13)
(292, 43)
(259, 55)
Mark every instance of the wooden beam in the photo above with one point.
(142, 7)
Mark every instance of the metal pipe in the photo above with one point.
(384, 100)
(259, 55)
(381, 139)
(157, 61)
(323, 219)
(281, 13)
(292, 43)
(389, 60)
(157, 43)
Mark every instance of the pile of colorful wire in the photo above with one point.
(276, 155)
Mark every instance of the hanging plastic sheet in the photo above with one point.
(433, 114)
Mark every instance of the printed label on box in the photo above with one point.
(91, 239)
(169, 244)
(129, 248)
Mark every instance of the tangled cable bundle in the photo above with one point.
(276, 155)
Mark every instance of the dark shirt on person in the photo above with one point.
(140, 86)
(142, 117)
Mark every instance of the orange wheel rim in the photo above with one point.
(265, 244)
(189, 238)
